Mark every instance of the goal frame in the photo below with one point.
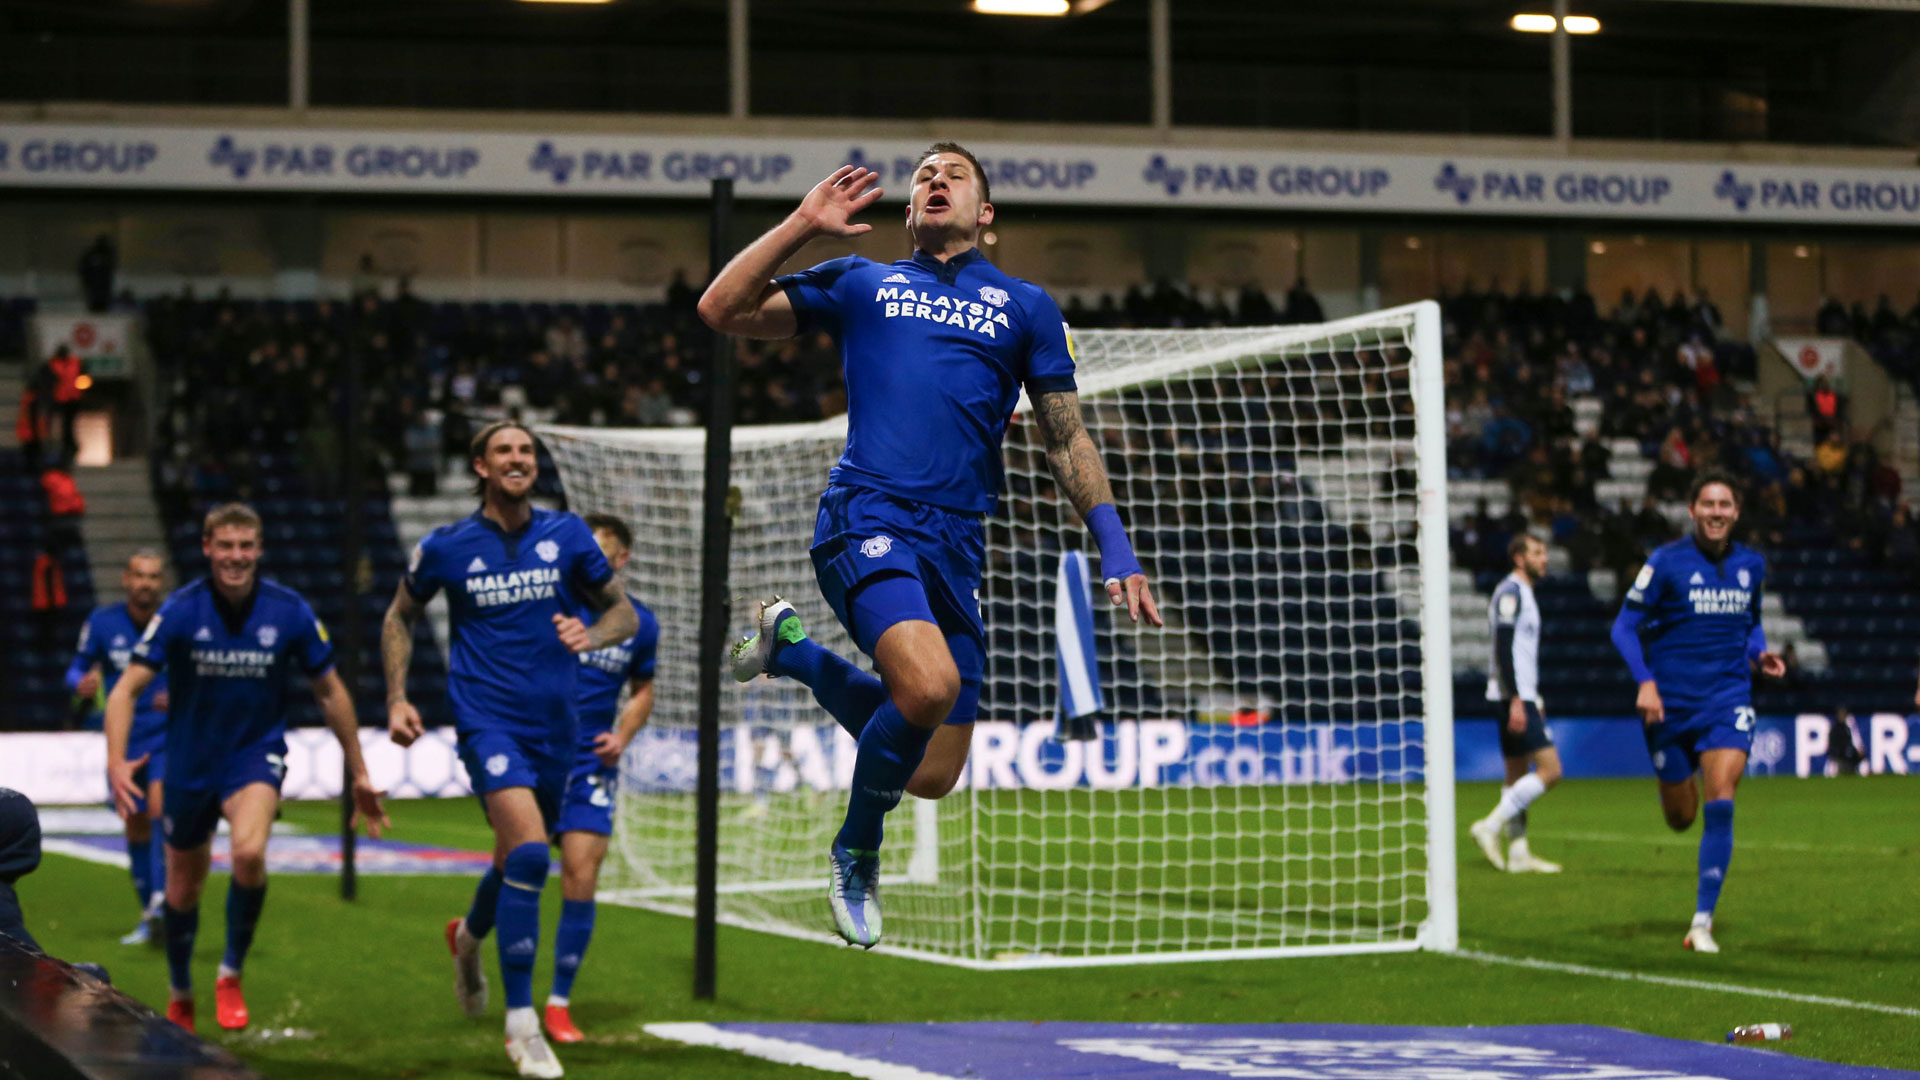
(1439, 931)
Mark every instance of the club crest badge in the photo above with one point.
(547, 550)
(996, 297)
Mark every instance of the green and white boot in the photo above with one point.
(779, 624)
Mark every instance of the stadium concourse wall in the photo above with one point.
(67, 768)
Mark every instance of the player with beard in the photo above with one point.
(1690, 633)
(105, 650)
(517, 580)
(229, 643)
(936, 348)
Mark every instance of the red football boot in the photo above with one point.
(229, 1008)
(180, 1011)
(560, 1025)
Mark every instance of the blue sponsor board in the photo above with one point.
(1180, 753)
(1058, 1051)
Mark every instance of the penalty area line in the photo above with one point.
(788, 1052)
(1688, 984)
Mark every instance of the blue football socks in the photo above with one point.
(518, 915)
(181, 928)
(848, 693)
(570, 944)
(140, 865)
(890, 750)
(486, 899)
(243, 915)
(1716, 851)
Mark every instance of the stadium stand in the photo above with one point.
(40, 624)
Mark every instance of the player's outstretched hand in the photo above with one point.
(829, 208)
(1652, 710)
(1517, 717)
(608, 747)
(403, 723)
(1770, 665)
(126, 792)
(89, 684)
(573, 633)
(366, 807)
(1137, 595)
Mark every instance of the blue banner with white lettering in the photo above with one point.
(766, 166)
(1182, 753)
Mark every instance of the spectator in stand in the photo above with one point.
(1830, 457)
(97, 266)
(1827, 408)
(63, 383)
(30, 425)
(422, 452)
(1673, 469)
(65, 507)
(1302, 305)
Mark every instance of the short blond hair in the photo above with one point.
(229, 514)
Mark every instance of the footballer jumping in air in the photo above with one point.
(229, 643)
(105, 650)
(1690, 633)
(935, 349)
(586, 821)
(1514, 683)
(517, 578)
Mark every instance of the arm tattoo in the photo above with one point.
(1071, 455)
(617, 621)
(396, 642)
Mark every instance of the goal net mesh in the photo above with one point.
(1258, 781)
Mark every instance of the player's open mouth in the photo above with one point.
(938, 202)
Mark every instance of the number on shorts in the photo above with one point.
(1743, 718)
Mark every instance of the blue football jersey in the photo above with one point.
(934, 356)
(228, 668)
(1699, 616)
(508, 670)
(604, 671)
(107, 638)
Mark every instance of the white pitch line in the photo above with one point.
(1744, 845)
(1688, 984)
(76, 850)
(788, 1052)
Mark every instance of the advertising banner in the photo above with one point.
(682, 166)
(1814, 357)
(103, 341)
(70, 767)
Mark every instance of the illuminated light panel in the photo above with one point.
(1021, 7)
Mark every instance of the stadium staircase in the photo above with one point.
(121, 519)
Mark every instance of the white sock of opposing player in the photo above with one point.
(1517, 798)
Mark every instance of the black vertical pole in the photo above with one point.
(716, 531)
(352, 546)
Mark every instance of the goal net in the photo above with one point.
(1272, 771)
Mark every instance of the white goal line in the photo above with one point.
(1686, 984)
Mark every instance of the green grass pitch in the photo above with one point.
(1823, 898)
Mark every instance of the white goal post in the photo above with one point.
(1273, 773)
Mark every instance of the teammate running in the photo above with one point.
(1690, 633)
(586, 821)
(936, 348)
(229, 643)
(1515, 683)
(515, 578)
(105, 650)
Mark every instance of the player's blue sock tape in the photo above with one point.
(570, 944)
(890, 749)
(486, 900)
(243, 914)
(181, 928)
(1716, 851)
(839, 685)
(519, 919)
(158, 873)
(140, 865)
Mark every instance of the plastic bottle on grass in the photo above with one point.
(1753, 1033)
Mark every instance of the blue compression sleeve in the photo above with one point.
(1756, 642)
(1117, 561)
(75, 672)
(1626, 638)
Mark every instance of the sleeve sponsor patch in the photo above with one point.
(1645, 579)
(1509, 606)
